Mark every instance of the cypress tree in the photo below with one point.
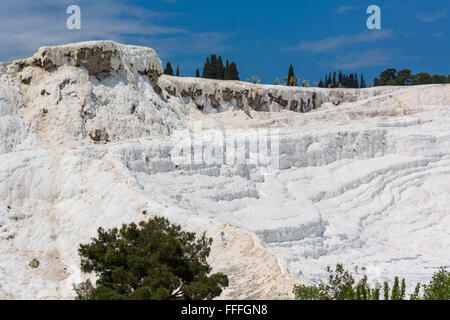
(416, 294)
(226, 72)
(168, 70)
(206, 69)
(395, 295)
(351, 81)
(234, 74)
(291, 76)
(375, 295)
(213, 67)
(403, 290)
(386, 290)
(362, 82)
(220, 70)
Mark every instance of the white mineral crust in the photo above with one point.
(88, 134)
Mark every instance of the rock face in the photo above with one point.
(101, 59)
(212, 96)
(92, 134)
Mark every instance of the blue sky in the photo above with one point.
(262, 37)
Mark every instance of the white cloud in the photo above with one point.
(190, 43)
(337, 42)
(25, 26)
(431, 17)
(343, 9)
(369, 58)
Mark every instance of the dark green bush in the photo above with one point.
(341, 286)
(152, 260)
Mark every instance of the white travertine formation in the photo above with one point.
(94, 55)
(88, 133)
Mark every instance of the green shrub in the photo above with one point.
(439, 287)
(341, 286)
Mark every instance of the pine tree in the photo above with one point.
(389, 75)
(154, 260)
(334, 84)
(168, 70)
(197, 73)
(404, 77)
(340, 78)
(178, 71)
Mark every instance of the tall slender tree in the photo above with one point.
(234, 74)
(226, 72)
(168, 70)
(351, 81)
(220, 69)
(362, 82)
(291, 76)
(320, 84)
(206, 69)
(213, 68)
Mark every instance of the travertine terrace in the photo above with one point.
(87, 137)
